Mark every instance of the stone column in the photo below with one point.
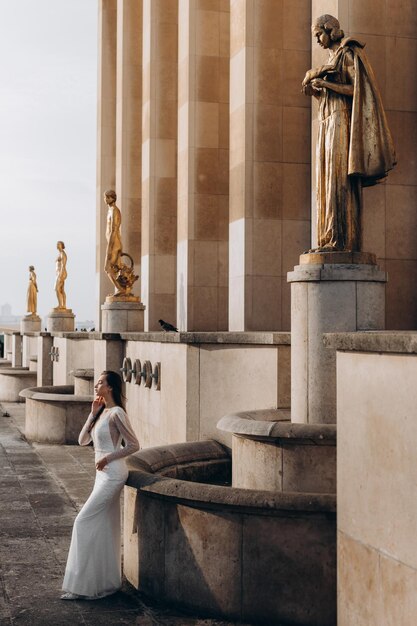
(108, 354)
(16, 350)
(8, 342)
(269, 158)
(159, 163)
(129, 124)
(203, 164)
(45, 366)
(328, 294)
(106, 137)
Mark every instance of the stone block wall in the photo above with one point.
(377, 510)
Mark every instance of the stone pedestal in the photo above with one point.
(119, 317)
(60, 320)
(30, 324)
(328, 297)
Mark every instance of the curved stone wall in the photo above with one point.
(13, 381)
(236, 553)
(54, 414)
(271, 453)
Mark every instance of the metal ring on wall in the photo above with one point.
(157, 375)
(127, 370)
(148, 374)
(137, 370)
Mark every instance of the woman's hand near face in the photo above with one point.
(96, 404)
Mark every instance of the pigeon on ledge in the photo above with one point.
(168, 327)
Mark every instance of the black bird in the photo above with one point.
(168, 327)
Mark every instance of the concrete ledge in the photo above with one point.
(55, 393)
(274, 424)
(336, 272)
(241, 554)
(402, 342)
(261, 338)
(83, 373)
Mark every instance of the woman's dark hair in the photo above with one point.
(115, 382)
(113, 379)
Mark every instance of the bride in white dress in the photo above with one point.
(93, 568)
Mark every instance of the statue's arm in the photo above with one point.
(345, 90)
(318, 72)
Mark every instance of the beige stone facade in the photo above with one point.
(377, 571)
(206, 135)
(210, 144)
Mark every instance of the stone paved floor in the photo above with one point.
(41, 489)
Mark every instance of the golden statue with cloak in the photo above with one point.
(354, 146)
(32, 292)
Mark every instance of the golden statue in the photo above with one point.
(121, 275)
(354, 146)
(32, 293)
(61, 274)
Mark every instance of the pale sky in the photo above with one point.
(48, 95)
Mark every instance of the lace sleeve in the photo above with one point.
(121, 423)
(84, 437)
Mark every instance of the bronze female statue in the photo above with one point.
(61, 274)
(121, 275)
(32, 293)
(354, 146)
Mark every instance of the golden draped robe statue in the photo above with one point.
(354, 145)
(32, 292)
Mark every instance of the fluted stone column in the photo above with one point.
(159, 162)
(129, 124)
(203, 164)
(269, 158)
(106, 137)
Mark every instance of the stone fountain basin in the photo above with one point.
(240, 554)
(13, 380)
(54, 414)
(269, 452)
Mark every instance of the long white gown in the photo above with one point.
(94, 566)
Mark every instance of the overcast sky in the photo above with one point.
(48, 92)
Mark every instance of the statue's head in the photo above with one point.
(329, 25)
(110, 196)
(60, 245)
(31, 268)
